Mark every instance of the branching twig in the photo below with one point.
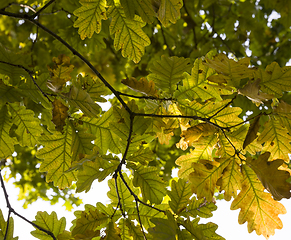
(42, 9)
(11, 210)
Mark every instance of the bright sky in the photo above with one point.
(226, 219)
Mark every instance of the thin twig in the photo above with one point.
(42, 9)
(215, 114)
(145, 97)
(139, 219)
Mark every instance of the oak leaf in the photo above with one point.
(258, 208)
(142, 85)
(273, 179)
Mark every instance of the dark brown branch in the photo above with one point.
(145, 97)
(139, 219)
(11, 210)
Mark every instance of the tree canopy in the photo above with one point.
(198, 85)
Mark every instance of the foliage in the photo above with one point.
(183, 94)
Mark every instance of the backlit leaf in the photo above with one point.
(3, 226)
(169, 11)
(129, 36)
(252, 132)
(142, 86)
(151, 185)
(60, 114)
(90, 16)
(276, 140)
(229, 71)
(196, 85)
(49, 222)
(28, 127)
(6, 142)
(168, 71)
(275, 80)
(258, 208)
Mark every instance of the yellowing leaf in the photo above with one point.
(229, 71)
(276, 140)
(275, 80)
(203, 150)
(90, 16)
(168, 71)
(152, 187)
(129, 36)
(252, 132)
(6, 142)
(57, 158)
(60, 114)
(112, 231)
(50, 223)
(196, 85)
(273, 180)
(60, 73)
(28, 127)
(258, 208)
(203, 179)
(82, 100)
(194, 133)
(231, 178)
(144, 86)
(169, 11)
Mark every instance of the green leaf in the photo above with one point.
(196, 85)
(50, 223)
(142, 7)
(105, 138)
(275, 80)
(82, 100)
(169, 11)
(28, 127)
(127, 200)
(6, 142)
(129, 36)
(99, 168)
(90, 16)
(165, 228)
(3, 226)
(152, 187)
(129, 230)
(57, 158)
(92, 219)
(179, 194)
(168, 71)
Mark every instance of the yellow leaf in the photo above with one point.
(60, 114)
(204, 178)
(273, 180)
(258, 208)
(252, 131)
(232, 72)
(164, 138)
(142, 85)
(276, 140)
(90, 16)
(60, 74)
